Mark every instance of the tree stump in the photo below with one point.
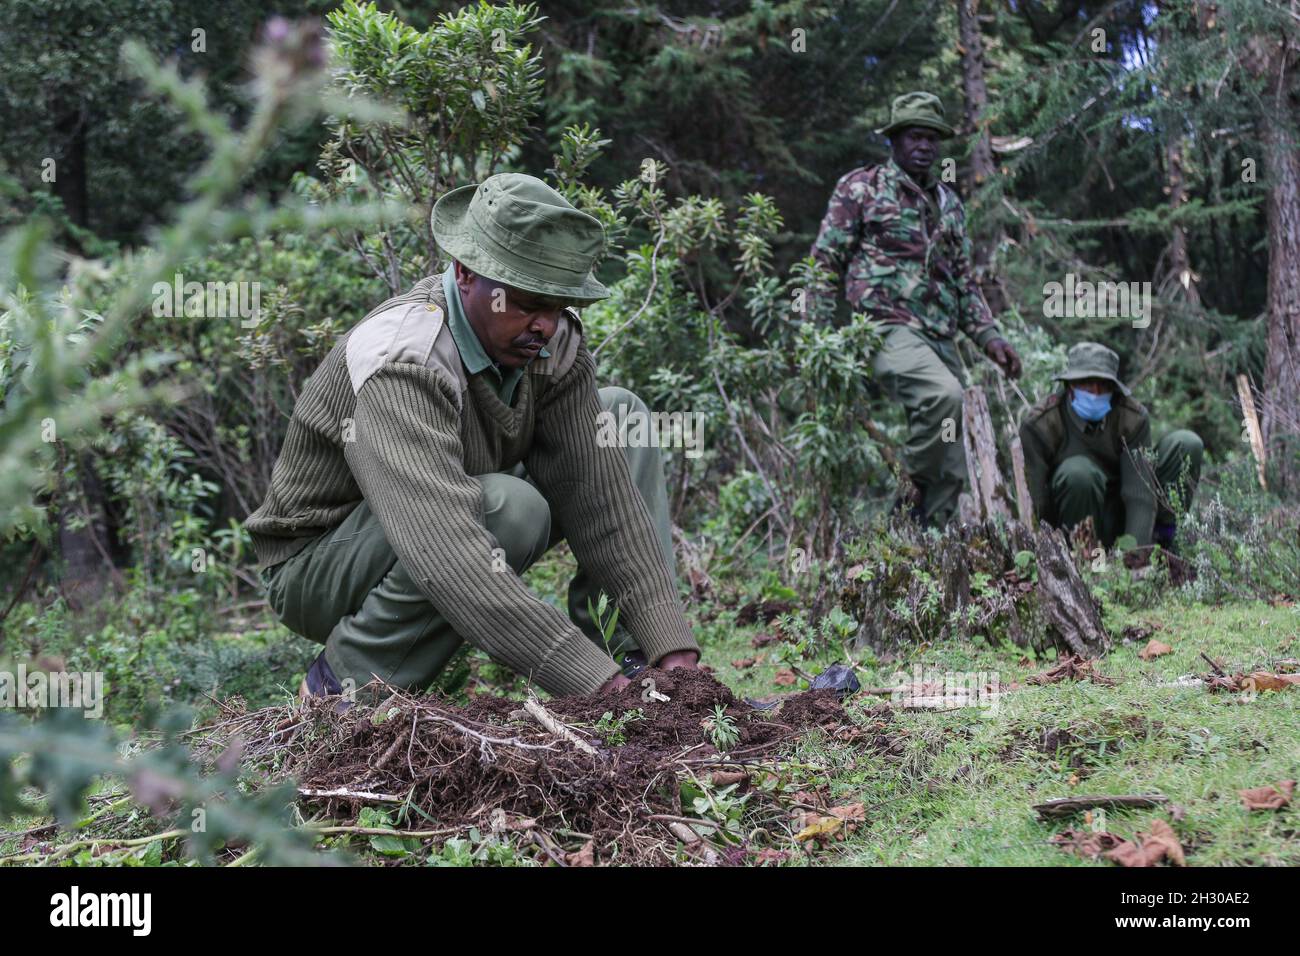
(1071, 613)
(986, 482)
(919, 588)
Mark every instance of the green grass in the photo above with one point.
(957, 787)
(961, 791)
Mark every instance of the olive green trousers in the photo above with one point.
(1081, 488)
(348, 591)
(925, 376)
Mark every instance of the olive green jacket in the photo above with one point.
(1051, 432)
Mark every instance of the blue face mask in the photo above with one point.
(1090, 407)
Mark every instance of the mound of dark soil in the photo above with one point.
(493, 761)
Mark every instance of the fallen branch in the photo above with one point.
(386, 831)
(1068, 806)
(1213, 666)
(552, 723)
(345, 794)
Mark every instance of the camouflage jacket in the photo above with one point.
(898, 265)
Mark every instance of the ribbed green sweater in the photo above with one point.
(392, 416)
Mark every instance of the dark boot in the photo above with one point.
(1163, 535)
(321, 682)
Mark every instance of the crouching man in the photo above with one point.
(445, 443)
(1086, 455)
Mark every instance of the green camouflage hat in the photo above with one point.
(515, 229)
(917, 109)
(1091, 360)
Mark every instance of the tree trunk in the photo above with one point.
(1072, 614)
(70, 173)
(1272, 57)
(1282, 371)
(983, 168)
(84, 545)
(1180, 266)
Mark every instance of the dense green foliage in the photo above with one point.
(706, 137)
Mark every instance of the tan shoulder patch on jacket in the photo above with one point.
(403, 332)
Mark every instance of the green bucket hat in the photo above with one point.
(917, 109)
(515, 229)
(1091, 360)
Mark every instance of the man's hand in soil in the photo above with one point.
(688, 659)
(1004, 356)
(617, 682)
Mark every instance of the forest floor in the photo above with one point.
(962, 787)
(879, 783)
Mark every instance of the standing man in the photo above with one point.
(895, 237)
(1086, 451)
(444, 444)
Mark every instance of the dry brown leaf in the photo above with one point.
(1154, 648)
(1263, 680)
(1089, 844)
(762, 640)
(1147, 849)
(741, 663)
(584, 857)
(725, 778)
(818, 828)
(785, 677)
(849, 811)
(1271, 797)
(768, 855)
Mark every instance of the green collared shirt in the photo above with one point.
(471, 349)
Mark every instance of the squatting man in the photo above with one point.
(455, 422)
(1088, 455)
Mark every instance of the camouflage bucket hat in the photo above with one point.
(515, 229)
(1090, 360)
(917, 109)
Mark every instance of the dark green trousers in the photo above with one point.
(924, 375)
(1082, 488)
(348, 591)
